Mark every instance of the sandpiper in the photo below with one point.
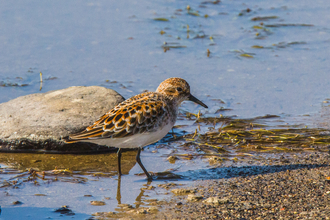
(139, 121)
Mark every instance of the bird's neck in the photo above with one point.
(173, 107)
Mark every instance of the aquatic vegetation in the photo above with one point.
(161, 19)
(250, 135)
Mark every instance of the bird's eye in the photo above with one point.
(179, 89)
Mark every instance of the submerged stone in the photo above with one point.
(97, 203)
(37, 122)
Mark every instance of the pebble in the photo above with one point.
(216, 200)
(194, 198)
(17, 203)
(183, 191)
(172, 159)
(97, 203)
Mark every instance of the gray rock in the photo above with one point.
(44, 118)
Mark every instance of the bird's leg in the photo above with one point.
(119, 160)
(138, 160)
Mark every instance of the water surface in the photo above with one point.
(265, 58)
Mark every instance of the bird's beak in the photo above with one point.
(194, 99)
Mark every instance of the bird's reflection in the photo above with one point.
(118, 197)
(138, 198)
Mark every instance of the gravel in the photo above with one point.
(300, 192)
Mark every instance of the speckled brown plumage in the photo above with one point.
(145, 112)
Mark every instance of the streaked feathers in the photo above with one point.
(145, 112)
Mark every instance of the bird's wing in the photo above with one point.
(141, 113)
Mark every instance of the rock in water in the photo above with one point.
(39, 121)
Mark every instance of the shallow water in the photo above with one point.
(119, 45)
